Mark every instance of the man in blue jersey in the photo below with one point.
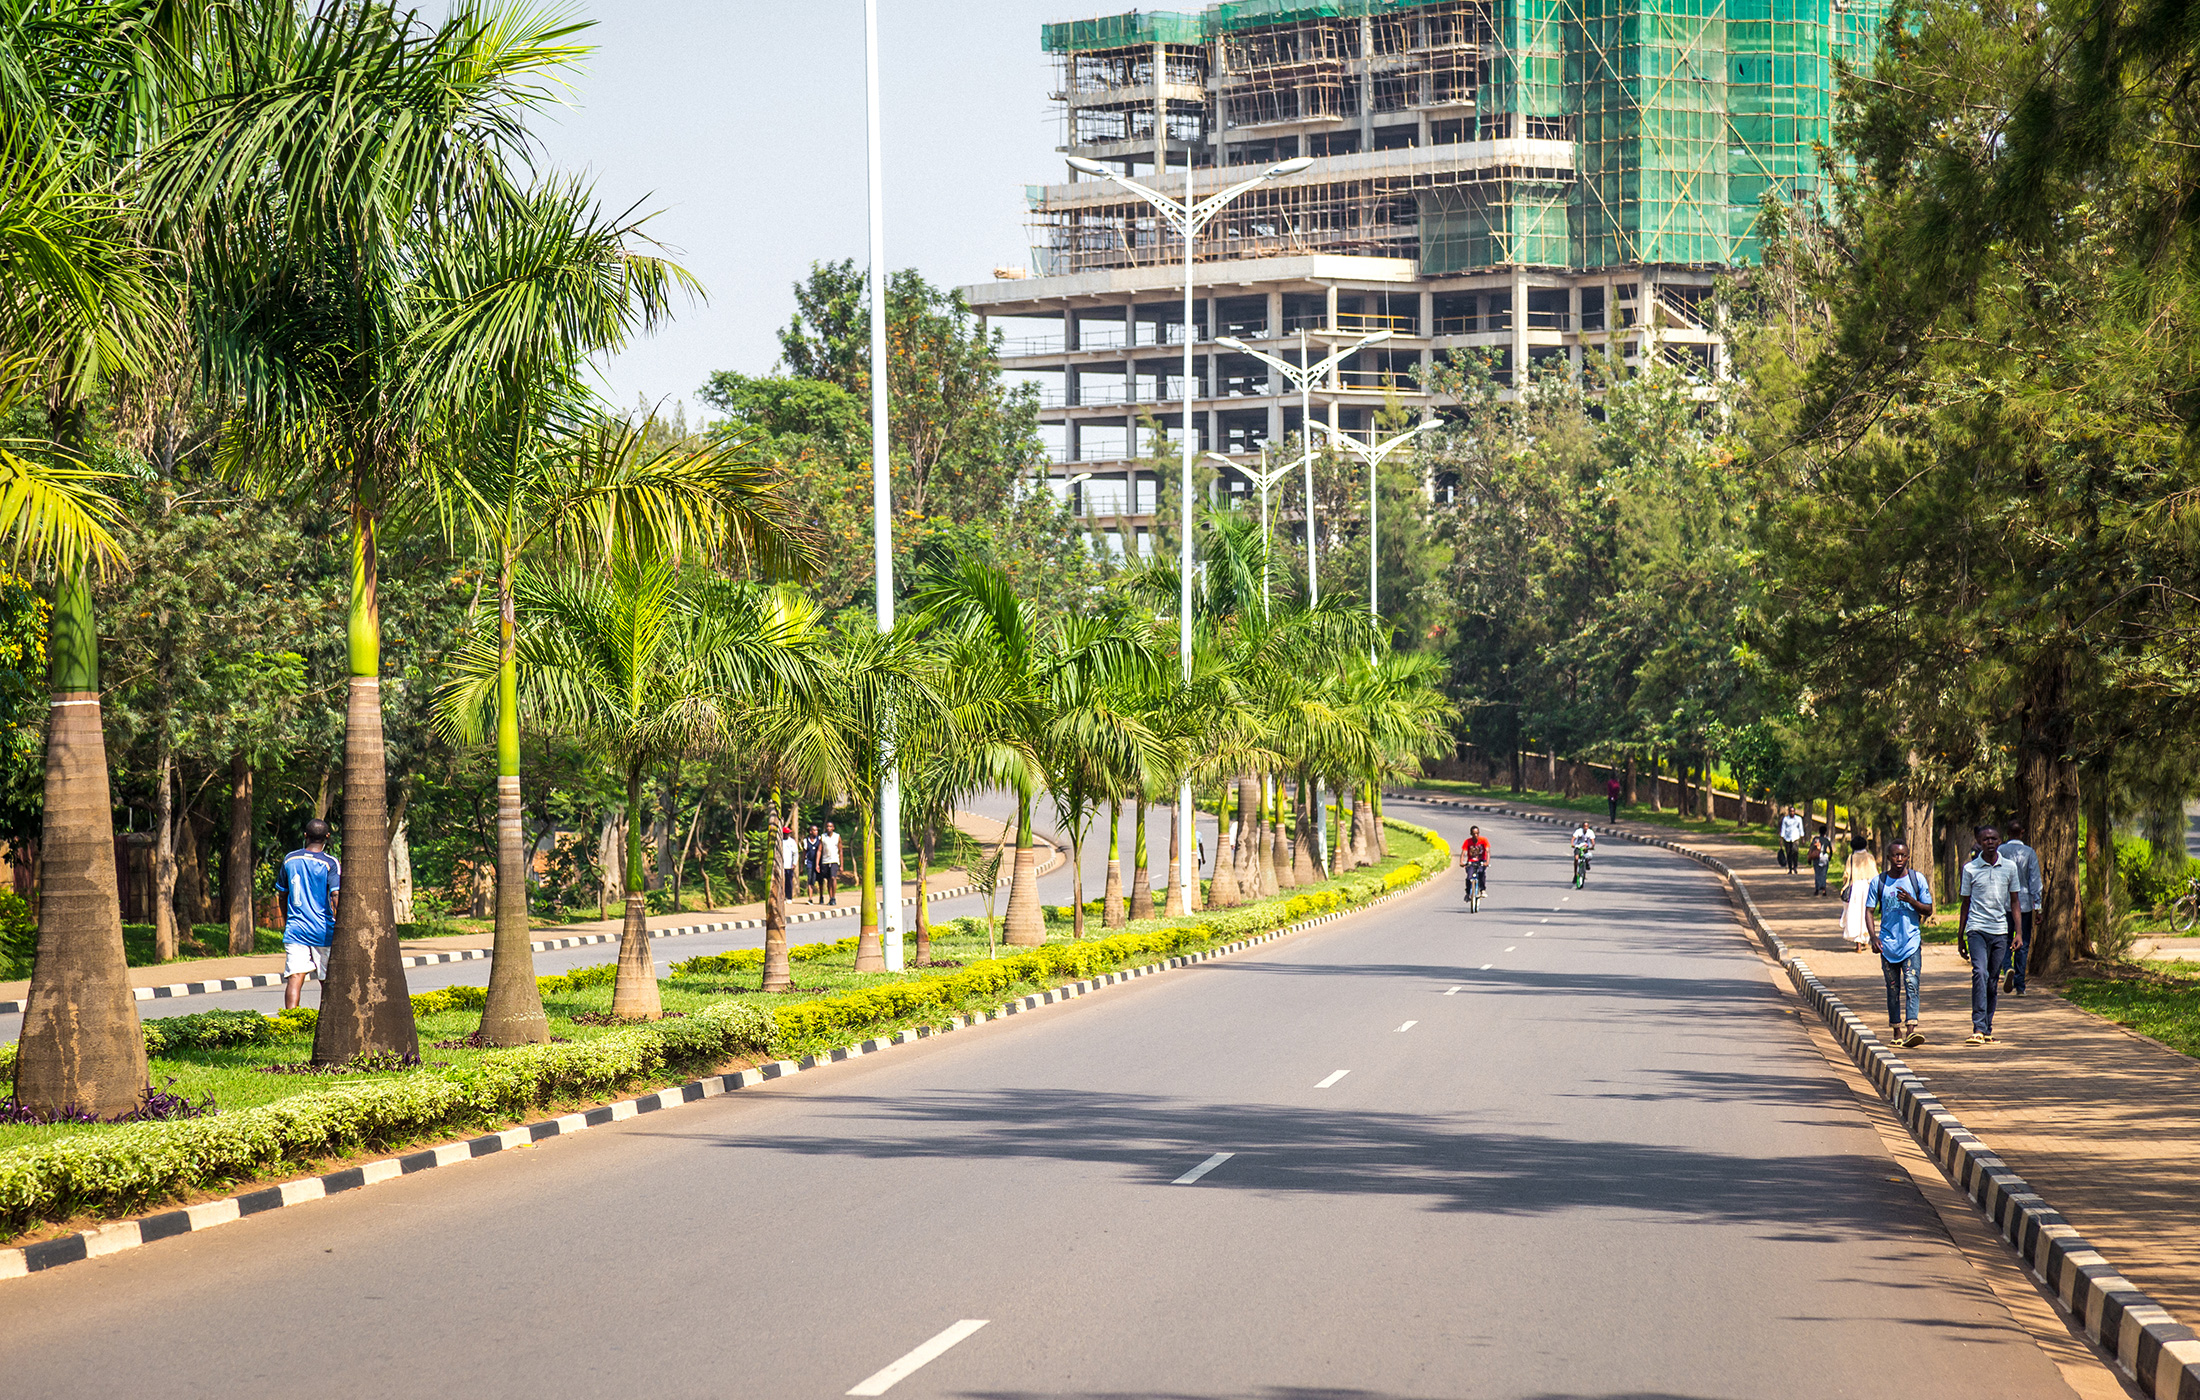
(307, 891)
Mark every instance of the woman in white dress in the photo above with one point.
(1856, 883)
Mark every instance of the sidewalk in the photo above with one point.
(2104, 1123)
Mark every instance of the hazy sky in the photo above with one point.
(742, 122)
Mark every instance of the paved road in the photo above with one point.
(1610, 1163)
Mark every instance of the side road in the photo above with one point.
(2104, 1123)
(199, 976)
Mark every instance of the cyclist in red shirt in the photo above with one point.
(1474, 853)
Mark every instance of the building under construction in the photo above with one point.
(1523, 180)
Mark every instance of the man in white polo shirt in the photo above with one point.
(1988, 923)
(828, 863)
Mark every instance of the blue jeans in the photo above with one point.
(2020, 951)
(1902, 986)
(1989, 955)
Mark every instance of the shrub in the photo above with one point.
(2146, 884)
(459, 998)
(594, 975)
(128, 1168)
(18, 936)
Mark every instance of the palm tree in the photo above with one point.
(1093, 737)
(325, 155)
(79, 301)
(872, 688)
(652, 666)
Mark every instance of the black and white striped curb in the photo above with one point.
(2161, 1354)
(129, 1234)
(547, 945)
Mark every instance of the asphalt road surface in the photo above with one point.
(1574, 1145)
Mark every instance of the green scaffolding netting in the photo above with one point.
(1124, 30)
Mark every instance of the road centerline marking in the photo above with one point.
(1514, 949)
(1333, 1078)
(1203, 1168)
(1487, 966)
(1454, 991)
(883, 1381)
(1407, 1026)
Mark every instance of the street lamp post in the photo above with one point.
(1373, 456)
(882, 513)
(1187, 218)
(1264, 477)
(1302, 376)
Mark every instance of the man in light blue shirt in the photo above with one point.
(1903, 901)
(2028, 904)
(1989, 918)
(307, 892)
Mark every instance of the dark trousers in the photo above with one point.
(1611, 807)
(1788, 860)
(1818, 876)
(2020, 952)
(1989, 955)
(790, 883)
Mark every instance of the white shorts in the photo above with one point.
(304, 957)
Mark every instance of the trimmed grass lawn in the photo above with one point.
(2162, 1001)
(234, 1076)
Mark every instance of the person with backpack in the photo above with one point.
(1902, 901)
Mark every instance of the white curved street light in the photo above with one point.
(1187, 218)
(888, 854)
(1302, 377)
(1264, 477)
(1373, 456)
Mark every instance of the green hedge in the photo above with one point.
(134, 1166)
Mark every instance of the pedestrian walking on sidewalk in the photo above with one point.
(811, 881)
(828, 863)
(2028, 904)
(1821, 857)
(307, 896)
(1901, 901)
(786, 857)
(1989, 921)
(1791, 840)
(1611, 798)
(1856, 878)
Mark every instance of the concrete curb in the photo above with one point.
(547, 945)
(23, 1260)
(2158, 1352)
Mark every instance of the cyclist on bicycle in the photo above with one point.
(1474, 853)
(1584, 842)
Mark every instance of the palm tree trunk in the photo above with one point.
(1279, 847)
(365, 1008)
(237, 865)
(635, 994)
(1025, 924)
(1141, 876)
(1111, 897)
(1375, 821)
(923, 908)
(164, 849)
(870, 951)
(81, 1044)
(1222, 892)
(1076, 876)
(1175, 905)
(1304, 870)
(513, 1014)
(668, 817)
(1247, 871)
(778, 977)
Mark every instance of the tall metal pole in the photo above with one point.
(1374, 612)
(882, 507)
(1313, 567)
(1306, 444)
(1187, 859)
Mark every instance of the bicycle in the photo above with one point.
(1581, 867)
(2184, 911)
(1478, 883)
